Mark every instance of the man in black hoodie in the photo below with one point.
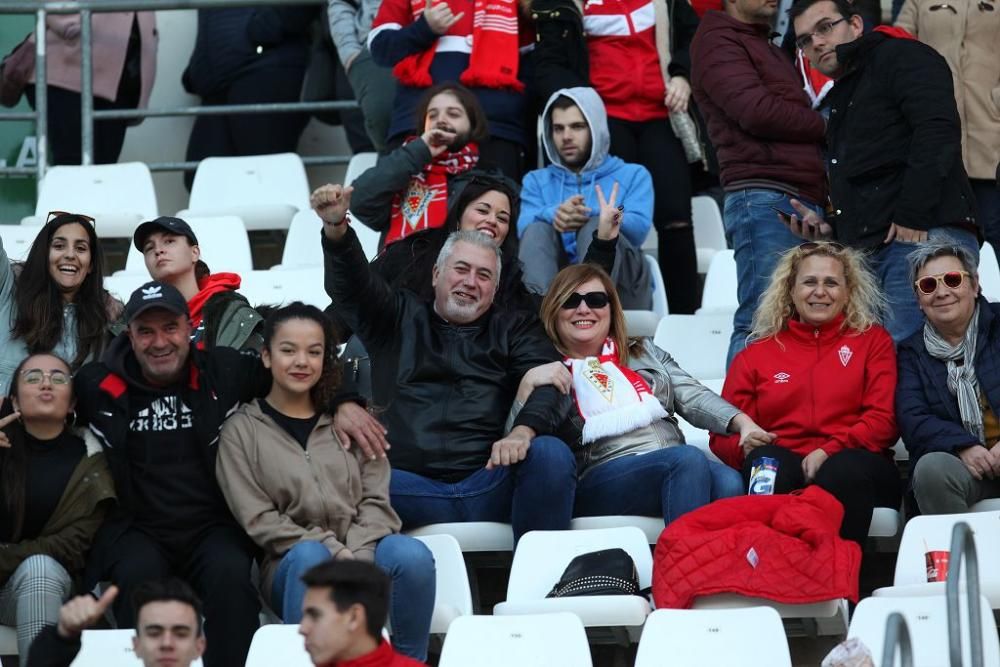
(156, 404)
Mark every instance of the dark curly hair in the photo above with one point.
(322, 392)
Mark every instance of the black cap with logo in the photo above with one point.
(155, 294)
(162, 224)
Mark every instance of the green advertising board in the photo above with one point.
(17, 138)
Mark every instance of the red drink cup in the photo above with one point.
(937, 566)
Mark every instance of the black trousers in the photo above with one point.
(255, 133)
(65, 133)
(217, 566)
(861, 480)
(653, 145)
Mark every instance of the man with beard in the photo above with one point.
(407, 191)
(444, 376)
(560, 203)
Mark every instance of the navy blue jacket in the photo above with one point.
(926, 411)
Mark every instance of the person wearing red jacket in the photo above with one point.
(343, 613)
(820, 375)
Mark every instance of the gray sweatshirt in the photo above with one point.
(350, 25)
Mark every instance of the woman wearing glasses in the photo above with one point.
(55, 301)
(819, 375)
(948, 396)
(626, 391)
(54, 492)
(967, 33)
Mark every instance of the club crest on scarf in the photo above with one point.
(418, 196)
(601, 388)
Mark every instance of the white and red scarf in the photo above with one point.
(424, 202)
(493, 62)
(612, 398)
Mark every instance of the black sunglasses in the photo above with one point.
(594, 300)
(810, 246)
(59, 214)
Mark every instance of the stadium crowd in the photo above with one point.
(198, 455)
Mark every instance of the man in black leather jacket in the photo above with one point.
(444, 375)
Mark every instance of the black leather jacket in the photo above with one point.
(895, 142)
(441, 390)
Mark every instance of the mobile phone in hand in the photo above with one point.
(786, 218)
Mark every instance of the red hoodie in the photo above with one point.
(208, 287)
(816, 388)
(383, 656)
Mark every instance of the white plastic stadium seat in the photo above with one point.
(118, 196)
(719, 295)
(452, 595)
(224, 245)
(539, 640)
(303, 248)
(988, 505)
(111, 648)
(752, 637)
(833, 613)
(472, 536)
(543, 555)
(989, 273)
(641, 323)
(927, 622)
(359, 164)
(659, 288)
(123, 284)
(709, 232)
(651, 526)
(933, 532)
(279, 287)
(8, 640)
(266, 191)
(274, 645)
(17, 240)
(698, 343)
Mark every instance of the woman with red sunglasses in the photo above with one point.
(819, 373)
(948, 397)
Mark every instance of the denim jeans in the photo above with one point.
(758, 239)
(890, 265)
(683, 476)
(406, 560)
(535, 494)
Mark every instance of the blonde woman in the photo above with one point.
(819, 375)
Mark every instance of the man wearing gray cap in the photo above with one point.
(157, 403)
(219, 314)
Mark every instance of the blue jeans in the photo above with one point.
(406, 560)
(890, 265)
(535, 494)
(684, 476)
(758, 239)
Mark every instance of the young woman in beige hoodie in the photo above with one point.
(304, 497)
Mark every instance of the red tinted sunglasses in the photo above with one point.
(952, 279)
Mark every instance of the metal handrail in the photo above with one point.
(897, 633)
(963, 548)
(87, 112)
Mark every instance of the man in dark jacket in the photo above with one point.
(444, 375)
(767, 137)
(157, 404)
(895, 146)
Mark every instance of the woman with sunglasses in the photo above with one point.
(948, 396)
(819, 373)
(55, 489)
(55, 301)
(626, 391)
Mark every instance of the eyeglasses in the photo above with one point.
(952, 279)
(831, 246)
(985, 7)
(36, 375)
(822, 30)
(594, 300)
(81, 216)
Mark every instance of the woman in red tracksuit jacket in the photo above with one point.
(820, 376)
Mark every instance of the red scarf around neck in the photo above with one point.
(493, 62)
(424, 202)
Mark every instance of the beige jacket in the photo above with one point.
(969, 39)
(282, 494)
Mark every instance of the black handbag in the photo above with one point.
(606, 572)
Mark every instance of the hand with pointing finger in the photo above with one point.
(14, 416)
(82, 612)
(439, 17)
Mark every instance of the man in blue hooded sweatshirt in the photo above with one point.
(559, 204)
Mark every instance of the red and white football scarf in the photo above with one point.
(494, 58)
(612, 399)
(424, 202)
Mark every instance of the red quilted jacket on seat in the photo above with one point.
(785, 548)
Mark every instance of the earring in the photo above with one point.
(71, 418)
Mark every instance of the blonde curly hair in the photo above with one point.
(866, 303)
